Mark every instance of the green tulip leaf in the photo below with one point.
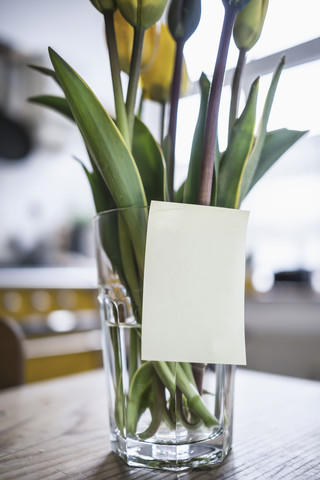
(140, 383)
(214, 192)
(178, 196)
(158, 405)
(107, 149)
(119, 412)
(166, 146)
(102, 198)
(109, 225)
(193, 178)
(131, 274)
(233, 159)
(58, 104)
(108, 231)
(45, 71)
(276, 144)
(101, 195)
(252, 160)
(145, 401)
(150, 162)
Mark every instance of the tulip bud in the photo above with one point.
(124, 37)
(105, 5)
(183, 18)
(142, 13)
(248, 24)
(156, 81)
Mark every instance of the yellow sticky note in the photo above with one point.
(193, 293)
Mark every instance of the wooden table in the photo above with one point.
(57, 429)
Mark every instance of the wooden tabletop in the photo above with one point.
(57, 429)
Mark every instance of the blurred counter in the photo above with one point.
(48, 277)
(283, 331)
(57, 311)
(32, 291)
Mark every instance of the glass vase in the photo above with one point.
(167, 415)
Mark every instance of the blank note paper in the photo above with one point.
(193, 294)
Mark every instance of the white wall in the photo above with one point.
(47, 191)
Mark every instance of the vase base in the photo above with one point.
(168, 456)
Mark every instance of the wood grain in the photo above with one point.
(58, 429)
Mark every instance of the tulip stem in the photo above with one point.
(210, 134)
(121, 116)
(163, 118)
(175, 92)
(134, 77)
(140, 108)
(235, 89)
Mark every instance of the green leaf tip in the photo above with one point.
(58, 104)
(233, 162)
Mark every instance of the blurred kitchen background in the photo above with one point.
(47, 269)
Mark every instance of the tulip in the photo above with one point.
(232, 7)
(142, 13)
(246, 32)
(105, 5)
(156, 80)
(183, 18)
(248, 24)
(124, 36)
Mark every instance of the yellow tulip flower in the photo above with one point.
(156, 81)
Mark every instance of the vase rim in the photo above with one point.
(118, 209)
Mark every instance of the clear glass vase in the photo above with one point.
(173, 416)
